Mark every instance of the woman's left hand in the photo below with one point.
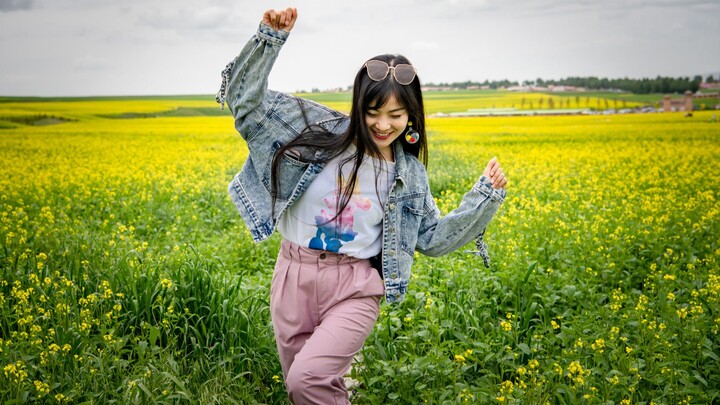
(494, 172)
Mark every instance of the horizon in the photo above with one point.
(348, 88)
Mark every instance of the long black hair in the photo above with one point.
(367, 94)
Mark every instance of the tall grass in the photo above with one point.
(127, 275)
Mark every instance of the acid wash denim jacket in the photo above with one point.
(268, 119)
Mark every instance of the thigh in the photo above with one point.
(293, 308)
(340, 335)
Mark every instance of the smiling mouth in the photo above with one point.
(381, 135)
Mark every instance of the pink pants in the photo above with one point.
(323, 307)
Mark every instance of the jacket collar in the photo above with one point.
(401, 164)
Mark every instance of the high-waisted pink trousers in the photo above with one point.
(323, 307)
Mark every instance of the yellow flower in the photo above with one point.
(428, 303)
(166, 283)
(41, 387)
(506, 326)
(460, 358)
(575, 368)
(599, 345)
(507, 387)
(554, 325)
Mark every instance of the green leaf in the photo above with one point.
(154, 334)
(699, 378)
(524, 348)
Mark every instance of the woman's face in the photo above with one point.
(386, 123)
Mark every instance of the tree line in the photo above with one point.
(665, 85)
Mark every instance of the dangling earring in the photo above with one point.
(411, 136)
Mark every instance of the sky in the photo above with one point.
(171, 47)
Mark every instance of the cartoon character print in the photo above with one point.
(332, 234)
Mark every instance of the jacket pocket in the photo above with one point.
(290, 172)
(409, 225)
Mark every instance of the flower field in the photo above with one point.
(128, 276)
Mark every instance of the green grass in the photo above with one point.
(126, 275)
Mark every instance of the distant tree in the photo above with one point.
(710, 79)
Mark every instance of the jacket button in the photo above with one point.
(393, 275)
(391, 206)
(322, 256)
(391, 253)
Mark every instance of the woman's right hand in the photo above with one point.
(281, 19)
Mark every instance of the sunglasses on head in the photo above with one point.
(378, 70)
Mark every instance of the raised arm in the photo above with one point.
(245, 79)
(442, 235)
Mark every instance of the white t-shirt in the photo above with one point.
(357, 231)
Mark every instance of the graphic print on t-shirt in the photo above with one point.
(332, 233)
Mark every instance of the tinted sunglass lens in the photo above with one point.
(377, 70)
(404, 74)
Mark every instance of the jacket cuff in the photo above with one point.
(268, 33)
(484, 186)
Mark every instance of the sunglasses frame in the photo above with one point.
(390, 69)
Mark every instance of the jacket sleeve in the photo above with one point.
(441, 235)
(245, 79)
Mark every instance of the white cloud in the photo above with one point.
(179, 46)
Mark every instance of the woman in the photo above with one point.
(350, 198)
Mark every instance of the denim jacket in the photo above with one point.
(268, 119)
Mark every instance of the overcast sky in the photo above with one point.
(134, 47)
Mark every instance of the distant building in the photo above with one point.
(565, 88)
(684, 104)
